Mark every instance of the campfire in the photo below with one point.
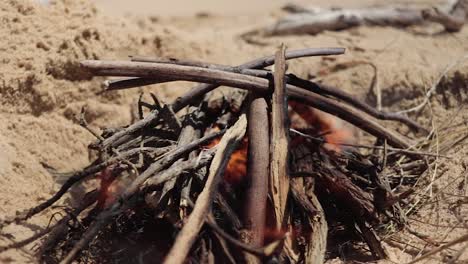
(266, 172)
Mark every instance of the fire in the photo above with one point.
(272, 234)
(110, 186)
(236, 168)
(333, 131)
(327, 125)
(107, 177)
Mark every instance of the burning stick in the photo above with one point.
(189, 232)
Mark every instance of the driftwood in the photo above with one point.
(304, 20)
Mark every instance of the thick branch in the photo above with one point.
(316, 248)
(259, 159)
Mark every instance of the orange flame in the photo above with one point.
(110, 186)
(106, 177)
(236, 168)
(333, 132)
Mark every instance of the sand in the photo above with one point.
(42, 90)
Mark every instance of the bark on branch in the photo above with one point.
(258, 169)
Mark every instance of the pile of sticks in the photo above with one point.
(164, 193)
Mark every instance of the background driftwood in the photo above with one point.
(311, 20)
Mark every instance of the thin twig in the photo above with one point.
(174, 171)
(396, 150)
(258, 251)
(72, 179)
(59, 230)
(436, 250)
(88, 200)
(82, 121)
(188, 134)
(266, 251)
(125, 83)
(352, 100)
